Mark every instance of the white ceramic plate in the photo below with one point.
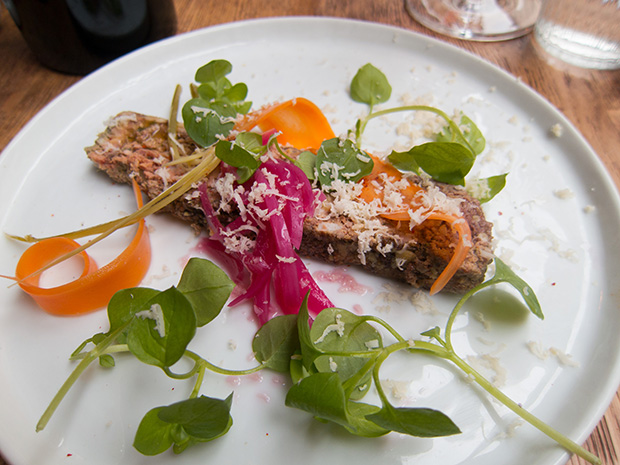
(556, 223)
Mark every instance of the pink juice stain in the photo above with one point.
(340, 276)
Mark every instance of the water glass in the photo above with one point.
(585, 33)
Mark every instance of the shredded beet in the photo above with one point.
(277, 199)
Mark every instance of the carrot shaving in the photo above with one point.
(457, 223)
(300, 123)
(95, 286)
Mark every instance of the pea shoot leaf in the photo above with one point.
(153, 435)
(125, 303)
(158, 346)
(470, 136)
(503, 274)
(203, 418)
(341, 159)
(203, 124)
(183, 424)
(307, 162)
(447, 162)
(276, 342)
(218, 90)
(209, 116)
(419, 422)
(487, 188)
(213, 72)
(338, 331)
(206, 287)
(320, 394)
(370, 86)
(359, 424)
(235, 154)
(309, 352)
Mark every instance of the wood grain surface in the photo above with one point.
(589, 99)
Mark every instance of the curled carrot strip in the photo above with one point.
(300, 123)
(457, 223)
(95, 286)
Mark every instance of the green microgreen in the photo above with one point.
(448, 158)
(332, 359)
(341, 159)
(210, 115)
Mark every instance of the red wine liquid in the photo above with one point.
(78, 36)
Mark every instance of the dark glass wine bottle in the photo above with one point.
(78, 36)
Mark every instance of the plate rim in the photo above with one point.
(10, 150)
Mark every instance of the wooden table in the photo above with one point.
(590, 99)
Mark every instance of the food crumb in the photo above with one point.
(480, 317)
(589, 209)
(563, 194)
(543, 354)
(556, 130)
(563, 357)
(398, 389)
(492, 364)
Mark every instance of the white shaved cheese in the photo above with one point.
(180, 146)
(398, 389)
(333, 366)
(491, 363)
(563, 357)
(337, 327)
(351, 175)
(121, 119)
(479, 189)
(372, 344)
(556, 130)
(564, 194)
(480, 317)
(423, 303)
(555, 244)
(538, 350)
(384, 249)
(224, 186)
(542, 353)
(155, 313)
(238, 243)
(285, 259)
(164, 173)
(203, 110)
(343, 199)
(363, 158)
(328, 168)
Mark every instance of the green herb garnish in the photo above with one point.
(332, 363)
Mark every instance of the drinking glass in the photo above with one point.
(584, 33)
(480, 20)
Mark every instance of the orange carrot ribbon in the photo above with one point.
(457, 223)
(95, 286)
(300, 123)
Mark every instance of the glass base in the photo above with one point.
(576, 47)
(479, 20)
